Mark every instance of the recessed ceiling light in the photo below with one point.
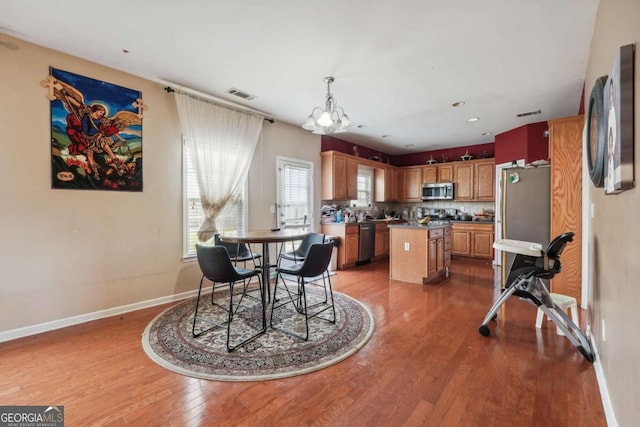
(125, 51)
(409, 145)
(386, 136)
(458, 104)
(362, 126)
(473, 119)
(486, 134)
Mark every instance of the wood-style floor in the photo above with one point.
(425, 365)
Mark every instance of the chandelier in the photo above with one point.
(332, 119)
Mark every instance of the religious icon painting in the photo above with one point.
(96, 133)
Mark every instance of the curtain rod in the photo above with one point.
(208, 98)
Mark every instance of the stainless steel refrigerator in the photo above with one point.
(525, 208)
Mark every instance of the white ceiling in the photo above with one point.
(398, 65)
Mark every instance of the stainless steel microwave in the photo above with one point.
(437, 191)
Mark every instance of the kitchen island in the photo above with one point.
(348, 236)
(419, 253)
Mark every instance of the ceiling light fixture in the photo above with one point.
(458, 104)
(332, 119)
(473, 119)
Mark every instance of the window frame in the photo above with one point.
(187, 253)
(364, 171)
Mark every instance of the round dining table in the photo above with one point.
(264, 237)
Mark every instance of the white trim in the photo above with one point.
(587, 250)
(609, 413)
(280, 161)
(83, 318)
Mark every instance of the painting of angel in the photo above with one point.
(96, 133)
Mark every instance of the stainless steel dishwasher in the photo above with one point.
(367, 241)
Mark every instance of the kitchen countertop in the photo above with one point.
(428, 226)
(481, 221)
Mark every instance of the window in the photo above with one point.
(295, 193)
(233, 217)
(365, 188)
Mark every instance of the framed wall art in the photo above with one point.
(96, 133)
(619, 118)
(595, 135)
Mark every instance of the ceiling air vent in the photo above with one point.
(241, 94)
(530, 113)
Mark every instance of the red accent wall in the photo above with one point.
(537, 142)
(328, 143)
(445, 155)
(527, 142)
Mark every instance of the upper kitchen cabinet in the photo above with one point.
(429, 174)
(385, 184)
(463, 180)
(339, 176)
(474, 180)
(484, 174)
(410, 184)
(445, 173)
(437, 173)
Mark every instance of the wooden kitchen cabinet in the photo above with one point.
(382, 240)
(436, 265)
(429, 174)
(463, 180)
(348, 236)
(410, 184)
(565, 152)
(339, 176)
(472, 239)
(437, 173)
(484, 182)
(447, 247)
(432, 249)
(385, 184)
(445, 173)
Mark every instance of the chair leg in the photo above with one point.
(301, 305)
(233, 312)
(290, 300)
(195, 314)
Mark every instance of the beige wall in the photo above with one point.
(615, 266)
(66, 253)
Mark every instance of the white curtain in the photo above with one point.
(221, 143)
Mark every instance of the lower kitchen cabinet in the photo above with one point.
(348, 236)
(382, 240)
(472, 239)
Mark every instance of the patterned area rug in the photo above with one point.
(167, 340)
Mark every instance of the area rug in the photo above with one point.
(168, 341)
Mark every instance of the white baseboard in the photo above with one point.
(604, 391)
(76, 320)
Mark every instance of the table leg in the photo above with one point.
(266, 285)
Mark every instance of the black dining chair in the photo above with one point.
(300, 253)
(238, 252)
(217, 267)
(315, 265)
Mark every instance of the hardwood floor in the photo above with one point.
(426, 364)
